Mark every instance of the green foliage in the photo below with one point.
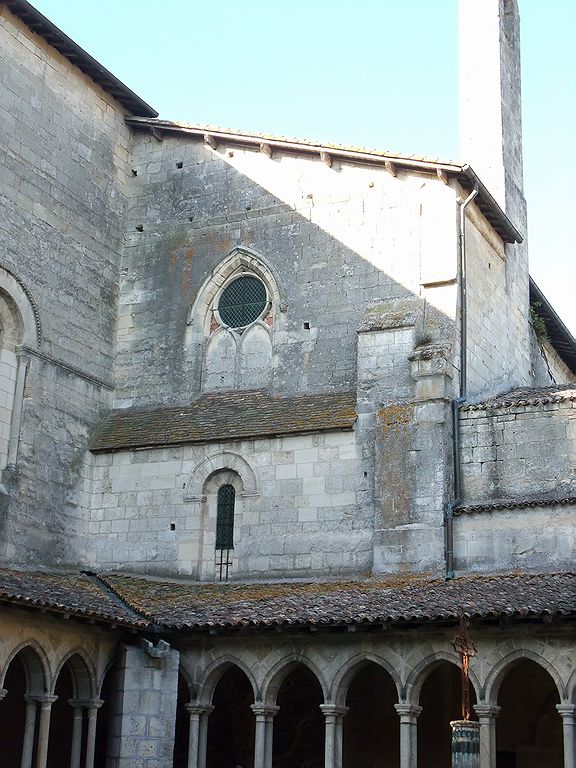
(537, 323)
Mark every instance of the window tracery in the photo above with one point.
(233, 320)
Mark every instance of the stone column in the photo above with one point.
(23, 363)
(568, 712)
(77, 723)
(408, 734)
(264, 714)
(197, 713)
(203, 735)
(333, 739)
(45, 700)
(487, 716)
(92, 707)
(29, 728)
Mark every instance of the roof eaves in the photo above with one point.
(45, 606)
(489, 207)
(42, 26)
(559, 335)
(463, 173)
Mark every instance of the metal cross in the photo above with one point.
(466, 649)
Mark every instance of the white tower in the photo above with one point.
(490, 99)
(491, 142)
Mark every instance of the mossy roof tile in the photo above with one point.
(226, 416)
(185, 605)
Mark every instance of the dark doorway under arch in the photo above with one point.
(371, 726)
(441, 702)
(528, 727)
(299, 724)
(182, 733)
(106, 745)
(60, 741)
(231, 724)
(13, 714)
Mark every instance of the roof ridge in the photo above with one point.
(119, 599)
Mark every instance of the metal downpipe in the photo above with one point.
(457, 402)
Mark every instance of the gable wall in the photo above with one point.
(337, 240)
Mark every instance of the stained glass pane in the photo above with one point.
(242, 302)
(225, 517)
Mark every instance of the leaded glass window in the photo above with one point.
(242, 301)
(225, 517)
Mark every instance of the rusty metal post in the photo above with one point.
(465, 744)
(466, 649)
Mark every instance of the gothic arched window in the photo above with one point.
(232, 322)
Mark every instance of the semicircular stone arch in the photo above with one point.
(36, 666)
(82, 674)
(19, 311)
(345, 675)
(280, 671)
(571, 688)
(421, 671)
(217, 462)
(500, 669)
(214, 672)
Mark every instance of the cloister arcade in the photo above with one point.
(289, 711)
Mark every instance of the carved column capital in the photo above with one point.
(566, 711)
(486, 710)
(41, 698)
(86, 703)
(3, 693)
(264, 710)
(333, 710)
(196, 708)
(407, 711)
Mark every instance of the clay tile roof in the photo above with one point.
(76, 594)
(557, 499)
(191, 606)
(226, 416)
(519, 396)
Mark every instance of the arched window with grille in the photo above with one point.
(224, 529)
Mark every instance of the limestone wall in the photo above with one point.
(498, 325)
(336, 240)
(64, 148)
(548, 366)
(518, 479)
(301, 507)
(518, 451)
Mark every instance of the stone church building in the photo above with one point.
(274, 416)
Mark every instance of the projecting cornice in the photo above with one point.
(327, 153)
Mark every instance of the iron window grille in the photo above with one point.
(225, 530)
(242, 301)
(225, 517)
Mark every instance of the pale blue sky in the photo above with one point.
(375, 73)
